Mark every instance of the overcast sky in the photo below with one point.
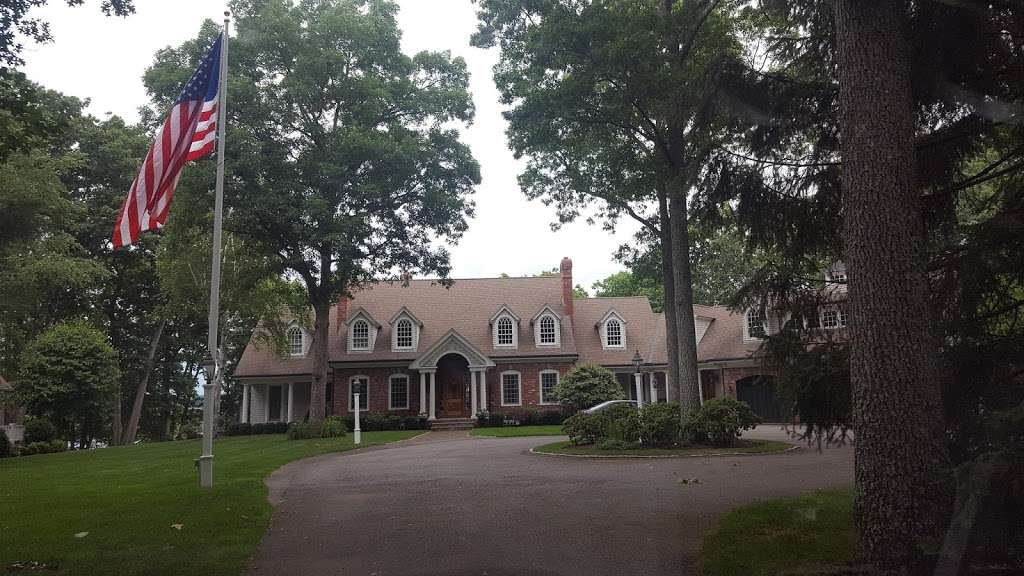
(103, 59)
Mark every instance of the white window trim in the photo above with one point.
(391, 405)
(302, 340)
(501, 382)
(415, 335)
(515, 332)
(558, 332)
(352, 381)
(540, 386)
(370, 336)
(839, 313)
(746, 326)
(604, 333)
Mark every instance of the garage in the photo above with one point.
(759, 392)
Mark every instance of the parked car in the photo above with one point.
(606, 405)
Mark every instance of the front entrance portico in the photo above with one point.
(447, 369)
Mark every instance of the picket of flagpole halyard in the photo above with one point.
(194, 125)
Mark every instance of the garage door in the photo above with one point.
(759, 393)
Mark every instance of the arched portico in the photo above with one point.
(452, 356)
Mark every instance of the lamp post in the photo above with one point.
(209, 389)
(638, 379)
(356, 431)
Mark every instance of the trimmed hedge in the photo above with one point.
(50, 447)
(378, 421)
(720, 421)
(246, 429)
(40, 430)
(523, 417)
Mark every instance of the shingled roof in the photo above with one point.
(467, 307)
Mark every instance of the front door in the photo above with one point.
(453, 382)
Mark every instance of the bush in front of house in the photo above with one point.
(51, 447)
(332, 427)
(616, 423)
(39, 430)
(247, 429)
(303, 430)
(587, 385)
(239, 429)
(189, 432)
(720, 421)
(5, 446)
(659, 425)
(377, 421)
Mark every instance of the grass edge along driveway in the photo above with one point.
(518, 431)
(589, 450)
(785, 535)
(141, 509)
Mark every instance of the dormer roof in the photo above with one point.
(403, 311)
(361, 313)
(504, 311)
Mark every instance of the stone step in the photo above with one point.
(453, 424)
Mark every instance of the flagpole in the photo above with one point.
(212, 386)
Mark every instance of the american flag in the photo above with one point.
(189, 132)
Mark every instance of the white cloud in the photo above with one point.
(103, 59)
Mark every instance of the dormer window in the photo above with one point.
(505, 332)
(833, 318)
(754, 325)
(403, 334)
(505, 329)
(613, 330)
(360, 335)
(296, 346)
(836, 274)
(546, 328)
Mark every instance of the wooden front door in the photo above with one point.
(453, 381)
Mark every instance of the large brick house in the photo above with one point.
(495, 344)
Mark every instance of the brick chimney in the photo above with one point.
(342, 312)
(566, 270)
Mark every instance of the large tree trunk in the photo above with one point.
(901, 466)
(321, 329)
(689, 398)
(669, 306)
(140, 392)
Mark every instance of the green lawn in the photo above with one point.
(780, 536)
(743, 447)
(128, 500)
(515, 431)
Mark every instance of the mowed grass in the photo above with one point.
(128, 499)
(742, 447)
(782, 536)
(518, 431)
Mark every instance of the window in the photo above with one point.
(505, 332)
(361, 335)
(511, 393)
(755, 324)
(548, 331)
(832, 318)
(548, 381)
(613, 333)
(398, 392)
(295, 347)
(403, 334)
(360, 384)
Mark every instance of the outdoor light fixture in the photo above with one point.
(209, 367)
(638, 379)
(637, 361)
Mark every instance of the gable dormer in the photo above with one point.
(362, 331)
(547, 328)
(505, 328)
(405, 331)
(612, 328)
(835, 276)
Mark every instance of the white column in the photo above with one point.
(358, 432)
(483, 390)
(423, 392)
(638, 382)
(432, 405)
(472, 393)
(245, 403)
(670, 388)
(654, 389)
(291, 401)
(700, 387)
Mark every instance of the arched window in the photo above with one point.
(755, 325)
(613, 333)
(361, 335)
(403, 334)
(295, 344)
(548, 331)
(505, 332)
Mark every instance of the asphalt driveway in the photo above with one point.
(478, 506)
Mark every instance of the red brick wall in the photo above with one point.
(529, 377)
(733, 375)
(379, 378)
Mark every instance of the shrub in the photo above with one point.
(188, 432)
(587, 385)
(720, 421)
(496, 419)
(621, 423)
(414, 423)
(550, 417)
(332, 427)
(483, 417)
(350, 422)
(616, 444)
(5, 445)
(43, 447)
(39, 430)
(303, 430)
(659, 425)
(239, 429)
(275, 428)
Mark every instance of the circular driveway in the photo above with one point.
(482, 506)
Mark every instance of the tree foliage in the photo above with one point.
(67, 376)
(587, 385)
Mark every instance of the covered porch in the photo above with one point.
(447, 370)
(279, 399)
